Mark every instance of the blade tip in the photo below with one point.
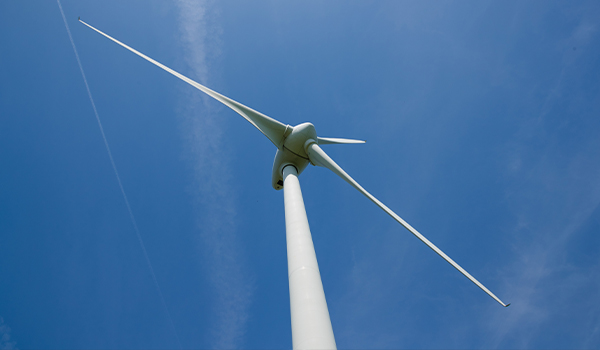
(507, 305)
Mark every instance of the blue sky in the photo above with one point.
(482, 122)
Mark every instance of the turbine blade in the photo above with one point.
(271, 128)
(333, 141)
(318, 157)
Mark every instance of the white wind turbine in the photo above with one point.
(296, 147)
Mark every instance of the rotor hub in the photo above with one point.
(293, 152)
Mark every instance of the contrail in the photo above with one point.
(112, 162)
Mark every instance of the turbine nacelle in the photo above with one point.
(294, 148)
(293, 152)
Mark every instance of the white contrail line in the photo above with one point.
(112, 162)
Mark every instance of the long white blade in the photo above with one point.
(318, 157)
(270, 127)
(335, 141)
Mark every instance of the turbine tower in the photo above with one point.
(297, 146)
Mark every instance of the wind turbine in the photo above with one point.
(297, 146)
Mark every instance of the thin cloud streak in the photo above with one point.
(223, 258)
(112, 162)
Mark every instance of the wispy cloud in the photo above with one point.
(554, 192)
(114, 166)
(5, 342)
(542, 282)
(223, 256)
